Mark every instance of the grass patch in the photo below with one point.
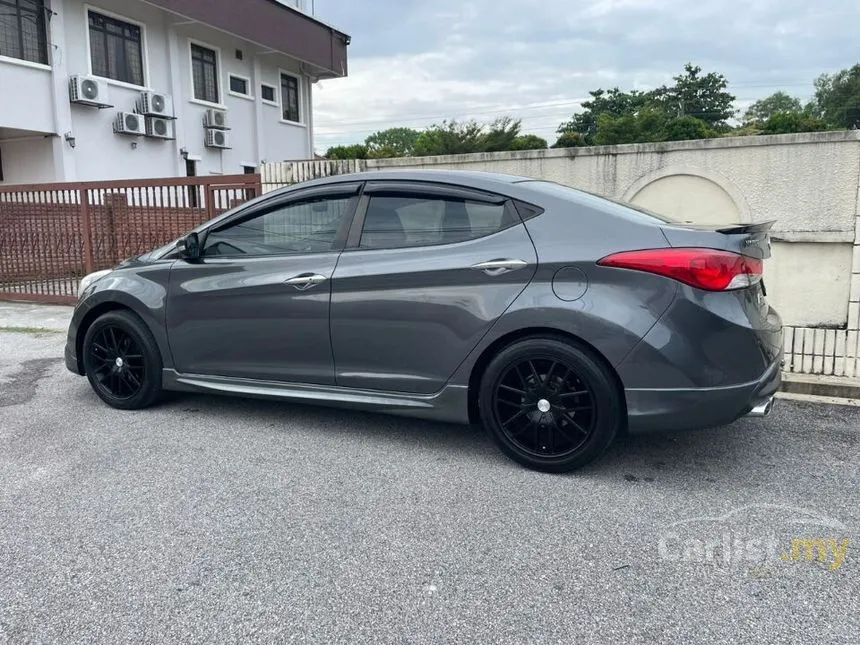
(29, 330)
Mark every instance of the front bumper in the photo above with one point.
(695, 408)
(72, 360)
(72, 363)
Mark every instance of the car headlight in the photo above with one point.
(88, 280)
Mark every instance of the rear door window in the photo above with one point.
(406, 220)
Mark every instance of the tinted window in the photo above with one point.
(308, 226)
(290, 98)
(116, 49)
(268, 93)
(22, 30)
(624, 209)
(393, 222)
(238, 85)
(204, 73)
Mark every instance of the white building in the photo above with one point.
(249, 64)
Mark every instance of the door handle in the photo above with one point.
(498, 267)
(306, 281)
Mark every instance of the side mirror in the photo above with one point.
(189, 246)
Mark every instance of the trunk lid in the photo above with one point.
(752, 240)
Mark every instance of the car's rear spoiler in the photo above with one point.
(736, 229)
(747, 239)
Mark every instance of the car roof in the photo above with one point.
(514, 186)
(468, 178)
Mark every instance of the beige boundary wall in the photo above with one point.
(808, 183)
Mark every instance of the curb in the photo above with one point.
(818, 400)
(829, 386)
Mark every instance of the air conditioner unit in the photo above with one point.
(155, 104)
(129, 123)
(217, 139)
(86, 90)
(159, 128)
(215, 119)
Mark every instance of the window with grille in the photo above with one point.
(267, 92)
(116, 49)
(290, 98)
(23, 30)
(204, 69)
(239, 85)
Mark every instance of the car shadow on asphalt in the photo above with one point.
(266, 414)
(713, 455)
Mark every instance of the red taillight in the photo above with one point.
(708, 269)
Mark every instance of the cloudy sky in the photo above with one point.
(415, 63)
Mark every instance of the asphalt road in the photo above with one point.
(211, 520)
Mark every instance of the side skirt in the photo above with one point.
(449, 405)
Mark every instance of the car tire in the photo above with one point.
(550, 405)
(122, 361)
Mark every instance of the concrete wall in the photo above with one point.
(27, 159)
(42, 105)
(26, 96)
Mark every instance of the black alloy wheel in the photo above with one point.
(122, 361)
(544, 407)
(549, 404)
(118, 360)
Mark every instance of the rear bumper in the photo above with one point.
(694, 408)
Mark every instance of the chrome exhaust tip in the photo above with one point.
(761, 409)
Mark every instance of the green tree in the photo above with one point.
(837, 98)
(647, 125)
(570, 140)
(450, 138)
(778, 102)
(356, 151)
(685, 128)
(786, 122)
(500, 135)
(703, 96)
(385, 152)
(613, 116)
(612, 102)
(393, 142)
(613, 130)
(456, 137)
(528, 142)
(748, 130)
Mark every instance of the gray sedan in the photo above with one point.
(553, 317)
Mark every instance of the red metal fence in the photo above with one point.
(53, 234)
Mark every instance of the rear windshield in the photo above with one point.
(599, 201)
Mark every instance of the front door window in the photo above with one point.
(306, 226)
